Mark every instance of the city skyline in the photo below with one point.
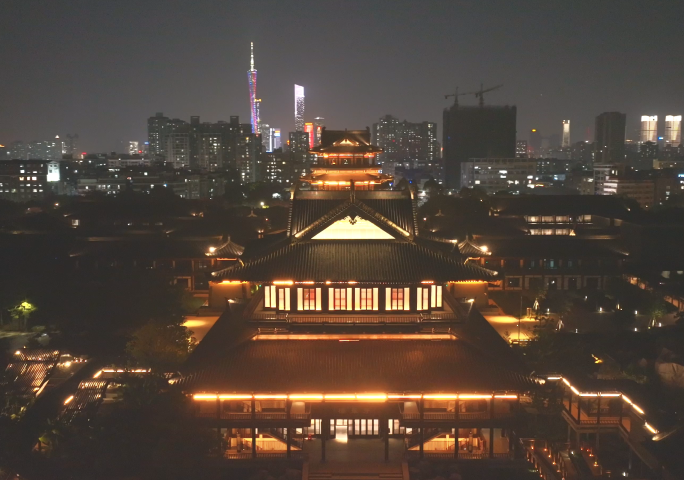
(71, 88)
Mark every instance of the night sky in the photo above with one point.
(100, 68)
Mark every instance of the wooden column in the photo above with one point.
(254, 452)
(325, 430)
(421, 426)
(491, 441)
(288, 407)
(598, 420)
(457, 415)
(384, 427)
(579, 410)
(218, 419)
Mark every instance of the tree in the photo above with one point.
(654, 311)
(160, 347)
(22, 312)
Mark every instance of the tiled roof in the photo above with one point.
(469, 249)
(603, 205)
(398, 210)
(362, 261)
(227, 248)
(556, 246)
(366, 365)
(85, 401)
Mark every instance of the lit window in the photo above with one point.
(422, 298)
(436, 297)
(366, 298)
(308, 298)
(340, 298)
(270, 296)
(396, 298)
(284, 299)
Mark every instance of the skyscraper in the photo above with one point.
(565, 143)
(276, 138)
(673, 130)
(407, 143)
(610, 137)
(649, 128)
(299, 108)
(157, 130)
(476, 132)
(309, 128)
(253, 101)
(266, 138)
(319, 124)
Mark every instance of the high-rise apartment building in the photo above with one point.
(521, 148)
(207, 146)
(319, 125)
(565, 142)
(36, 150)
(406, 143)
(535, 143)
(266, 137)
(649, 128)
(309, 128)
(476, 132)
(133, 148)
(610, 138)
(498, 174)
(673, 130)
(299, 142)
(299, 108)
(70, 144)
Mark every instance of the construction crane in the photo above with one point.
(478, 94)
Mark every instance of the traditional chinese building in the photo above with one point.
(353, 325)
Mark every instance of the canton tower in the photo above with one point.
(253, 102)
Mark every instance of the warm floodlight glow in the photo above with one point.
(473, 397)
(506, 396)
(372, 396)
(306, 396)
(341, 397)
(204, 396)
(230, 396)
(636, 407)
(66, 402)
(270, 397)
(650, 428)
(356, 228)
(97, 374)
(401, 397)
(283, 282)
(440, 396)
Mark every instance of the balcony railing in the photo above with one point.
(428, 416)
(267, 454)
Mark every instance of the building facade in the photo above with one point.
(353, 258)
(497, 174)
(476, 132)
(609, 137)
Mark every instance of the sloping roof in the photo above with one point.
(366, 365)
(345, 141)
(469, 249)
(556, 246)
(352, 209)
(85, 401)
(398, 210)
(227, 248)
(362, 261)
(603, 205)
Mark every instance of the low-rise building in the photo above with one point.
(496, 174)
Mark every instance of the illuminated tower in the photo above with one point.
(253, 101)
(649, 128)
(566, 134)
(299, 108)
(673, 129)
(309, 128)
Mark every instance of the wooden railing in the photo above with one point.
(452, 416)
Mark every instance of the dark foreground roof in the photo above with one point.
(365, 366)
(603, 205)
(345, 260)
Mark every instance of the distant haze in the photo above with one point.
(100, 68)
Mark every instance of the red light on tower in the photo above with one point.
(309, 128)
